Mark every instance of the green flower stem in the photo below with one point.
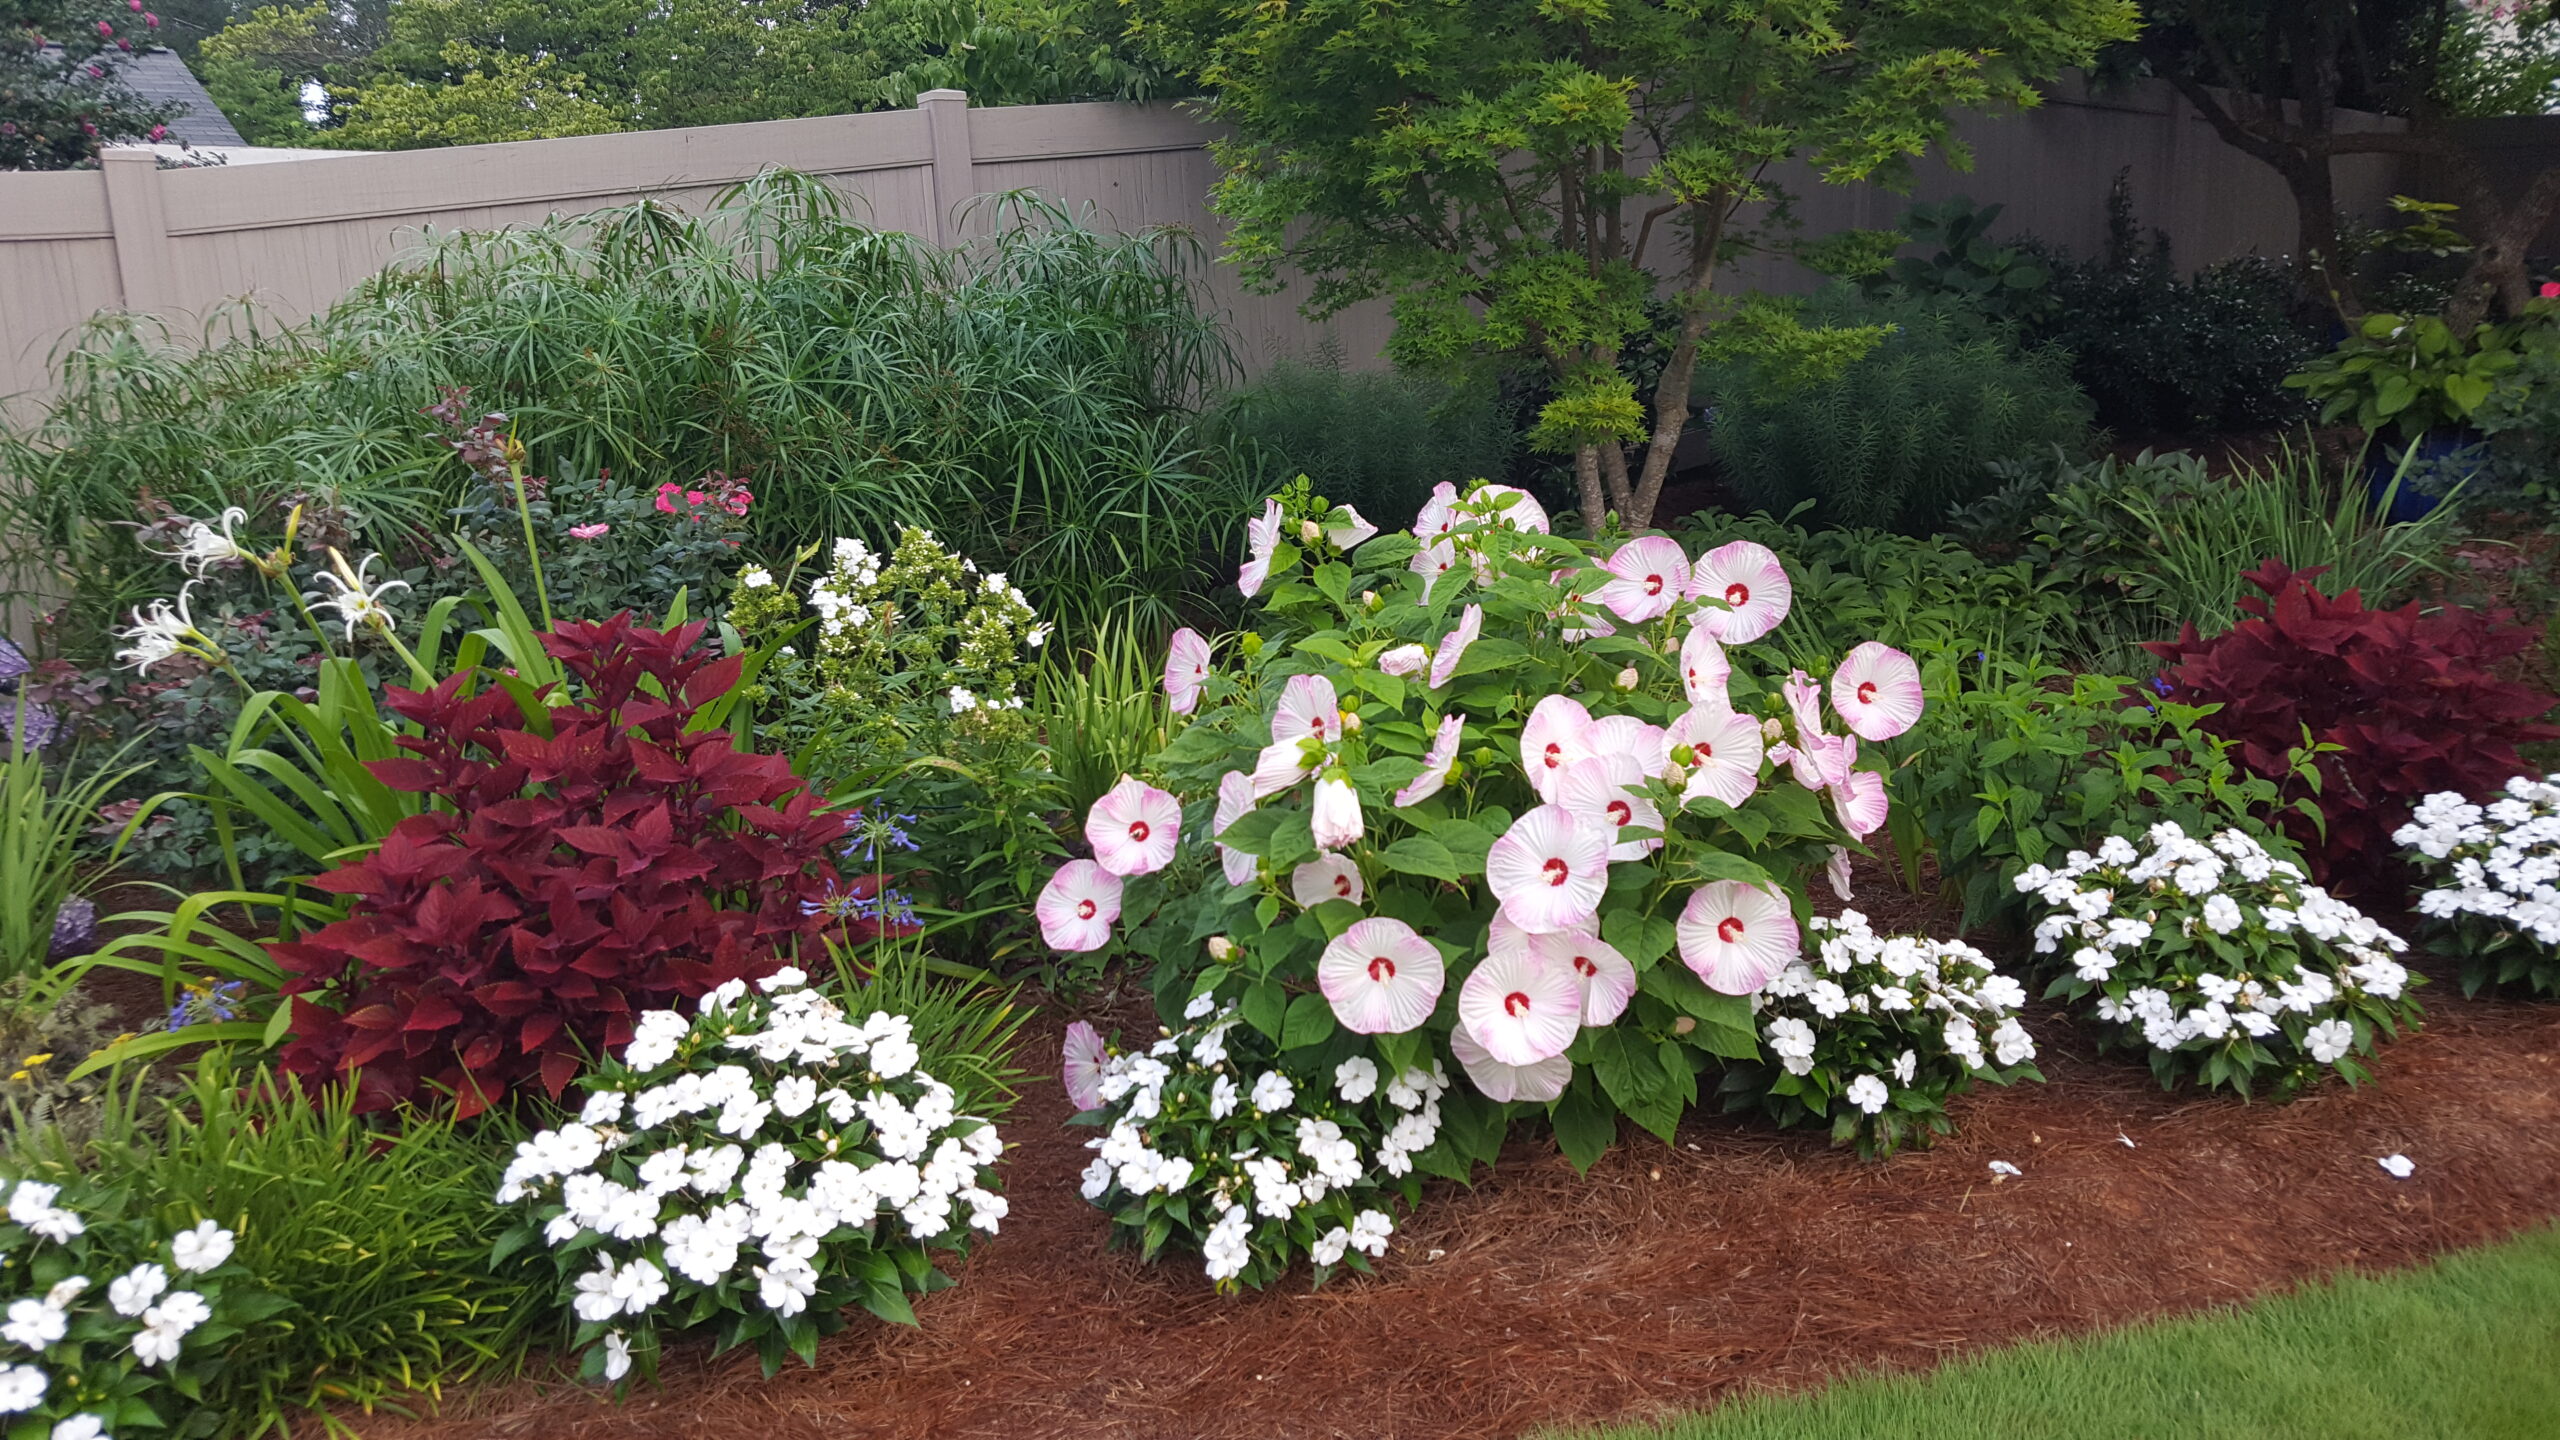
(533, 552)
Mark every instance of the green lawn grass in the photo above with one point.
(2464, 1349)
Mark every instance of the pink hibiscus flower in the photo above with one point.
(1534, 1083)
(1327, 877)
(1453, 646)
(1549, 870)
(1080, 1066)
(1752, 586)
(1134, 828)
(1235, 798)
(1521, 1008)
(1608, 978)
(1557, 733)
(1737, 937)
(1704, 671)
(1380, 977)
(1877, 691)
(1262, 538)
(1077, 907)
(1307, 707)
(1186, 669)
(1345, 529)
(1725, 753)
(1435, 762)
(1606, 792)
(1649, 576)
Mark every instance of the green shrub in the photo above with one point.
(1377, 440)
(1027, 397)
(1905, 432)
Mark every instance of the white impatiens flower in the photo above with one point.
(617, 1356)
(1273, 1092)
(86, 1425)
(132, 1292)
(33, 1324)
(1356, 1079)
(22, 1388)
(1868, 1093)
(2329, 1041)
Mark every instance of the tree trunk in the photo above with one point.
(2315, 208)
(1586, 477)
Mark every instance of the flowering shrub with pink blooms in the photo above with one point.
(1482, 797)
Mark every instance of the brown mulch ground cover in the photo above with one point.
(1739, 1259)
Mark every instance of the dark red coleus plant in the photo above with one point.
(2412, 700)
(583, 864)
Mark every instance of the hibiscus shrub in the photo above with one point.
(1876, 1032)
(584, 861)
(2400, 703)
(751, 1169)
(1218, 1145)
(2495, 900)
(1482, 794)
(2220, 961)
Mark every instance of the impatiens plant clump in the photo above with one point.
(1219, 1146)
(1483, 795)
(2398, 704)
(115, 1325)
(586, 861)
(2221, 962)
(752, 1169)
(2495, 870)
(1875, 1033)
(911, 685)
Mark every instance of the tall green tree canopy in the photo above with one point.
(2274, 76)
(1526, 175)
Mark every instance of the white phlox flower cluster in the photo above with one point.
(1886, 1015)
(149, 1310)
(2499, 861)
(1277, 1150)
(787, 1139)
(2196, 945)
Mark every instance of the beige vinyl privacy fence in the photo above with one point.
(294, 236)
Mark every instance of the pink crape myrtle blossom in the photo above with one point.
(1608, 978)
(1626, 735)
(1522, 1008)
(1549, 870)
(1737, 937)
(1080, 1065)
(1606, 791)
(1380, 977)
(1307, 707)
(1262, 538)
(1750, 584)
(1557, 733)
(1235, 799)
(1077, 907)
(1649, 575)
(1335, 816)
(1435, 762)
(1725, 753)
(1705, 673)
(1186, 669)
(1535, 1083)
(1877, 691)
(1404, 660)
(1453, 646)
(1134, 828)
(1327, 877)
(1347, 532)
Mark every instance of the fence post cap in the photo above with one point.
(943, 97)
(128, 155)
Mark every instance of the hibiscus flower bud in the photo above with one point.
(1251, 643)
(1370, 602)
(1350, 722)
(1221, 949)
(1335, 817)
(1683, 756)
(1771, 731)
(1683, 1025)
(1311, 532)
(1628, 679)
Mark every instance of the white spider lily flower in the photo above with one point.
(203, 547)
(357, 601)
(165, 631)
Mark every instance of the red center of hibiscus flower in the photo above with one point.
(1737, 593)
(1515, 1004)
(1867, 692)
(1138, 831)
(1705, 750)
(1382, 969)
(1342, 887)
(1583, 964)
(1554, 755)
(1557, 871)
(1622, 812)
(1729, 929)
(1084, 909)
(1653, 584)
